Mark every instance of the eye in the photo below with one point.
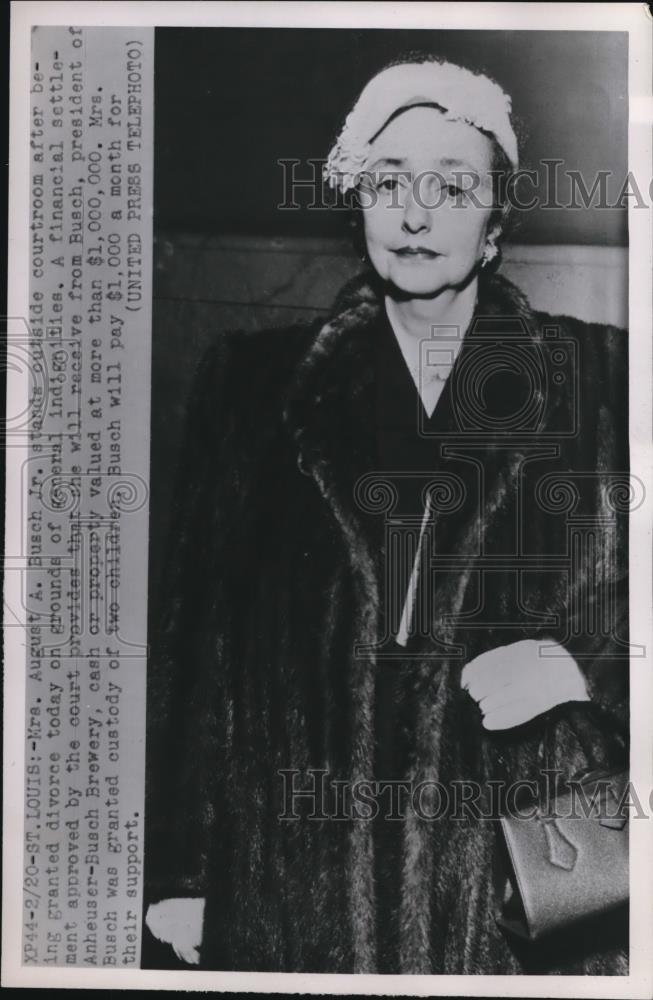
(388, 184)
(454, 191)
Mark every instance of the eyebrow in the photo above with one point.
(445, 161)
(453, 162)
(389, 160)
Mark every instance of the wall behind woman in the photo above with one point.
(232, 103)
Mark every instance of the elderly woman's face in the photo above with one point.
(421, 233)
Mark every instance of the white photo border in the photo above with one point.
(633, 18)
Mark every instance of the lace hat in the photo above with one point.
(459, 93)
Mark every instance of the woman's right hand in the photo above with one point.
(178, 922)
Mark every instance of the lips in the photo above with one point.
(421, 253)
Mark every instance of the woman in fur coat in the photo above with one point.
(398, 572)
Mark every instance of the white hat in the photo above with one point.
(461, 94)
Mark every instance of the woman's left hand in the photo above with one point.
(512, 684)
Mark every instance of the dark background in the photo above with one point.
(231, 102)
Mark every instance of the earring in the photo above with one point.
(490, 252)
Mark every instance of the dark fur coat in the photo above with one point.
(264, 658)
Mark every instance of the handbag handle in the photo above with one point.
(589, 712)
(577, 715)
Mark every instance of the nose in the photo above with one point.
(417, 218)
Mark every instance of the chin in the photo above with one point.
(417, 284)
(424, 283)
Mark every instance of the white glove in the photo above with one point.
(512, 684)
(178, 922)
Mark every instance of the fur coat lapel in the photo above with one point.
(330, 409)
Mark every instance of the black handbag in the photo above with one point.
(567, 862)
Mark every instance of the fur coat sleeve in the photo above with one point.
(596, 603)
(231, 422)
(178, 681)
